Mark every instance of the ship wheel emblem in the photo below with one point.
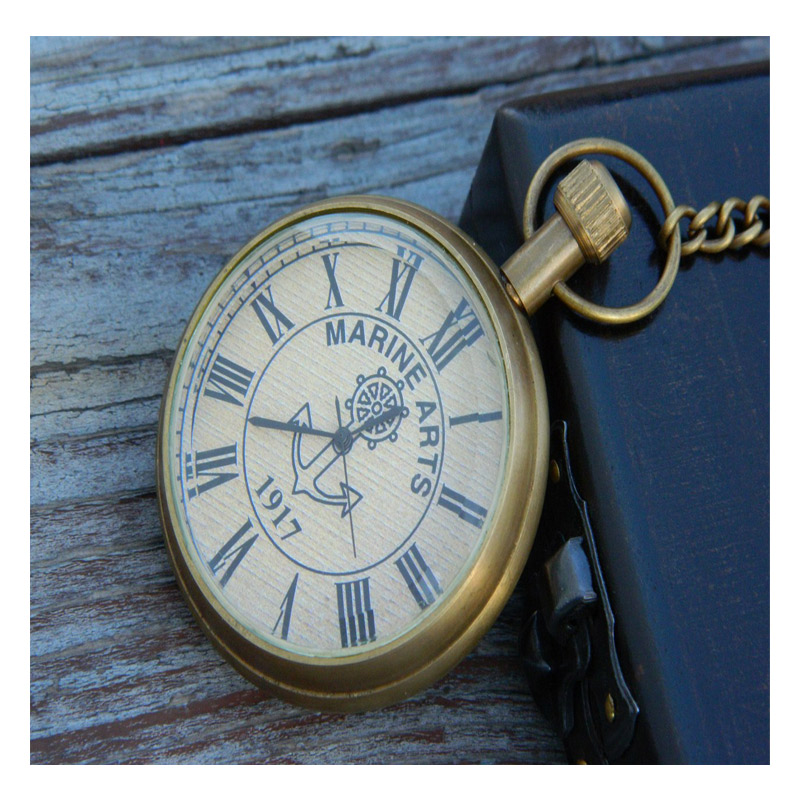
(375, 395)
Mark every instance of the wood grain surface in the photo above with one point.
(153, 161)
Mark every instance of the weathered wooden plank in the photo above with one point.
(66, 469)
(476, 715)
(124, 679)
(56, 58)
(166, 220)
(107, 95)
(64, 531)
(100, 576)
(97, 397)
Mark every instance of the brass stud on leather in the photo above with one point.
(610, 708)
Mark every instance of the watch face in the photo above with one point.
(338, 434)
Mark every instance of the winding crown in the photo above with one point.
(593, 207)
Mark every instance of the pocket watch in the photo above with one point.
(353, 442)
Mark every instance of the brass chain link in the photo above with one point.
(724, 230)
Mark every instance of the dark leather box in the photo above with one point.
(667, 424)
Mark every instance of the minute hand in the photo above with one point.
(387, 415)
(293, 427)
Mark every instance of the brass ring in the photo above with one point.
(583, 147)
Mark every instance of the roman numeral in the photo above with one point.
(286, 610)
(329, 260)
(262, 305)
(208, 464)
(466, 509)
(489, 417)
(464, 330)
(232, 552)
(227, 376)
(421, 581)
(404, 268)
(356, 617)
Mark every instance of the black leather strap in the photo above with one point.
(567, 644)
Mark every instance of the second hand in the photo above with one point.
(347, 484)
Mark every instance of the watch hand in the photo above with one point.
(347, 483)
(296, 427)
(354, 434)
(387, 415)
(293, 427)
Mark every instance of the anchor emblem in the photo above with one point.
(311, 477)
(376, 407)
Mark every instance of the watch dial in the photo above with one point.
(339, 432)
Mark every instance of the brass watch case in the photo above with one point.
(411, 662)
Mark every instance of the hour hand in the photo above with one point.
(292, 427)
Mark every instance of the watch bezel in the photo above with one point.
(412, 661)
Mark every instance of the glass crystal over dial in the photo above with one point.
(340, 428)
(352, 453)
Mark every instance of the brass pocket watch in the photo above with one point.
(353, 442)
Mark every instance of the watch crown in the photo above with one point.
(594, 210)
